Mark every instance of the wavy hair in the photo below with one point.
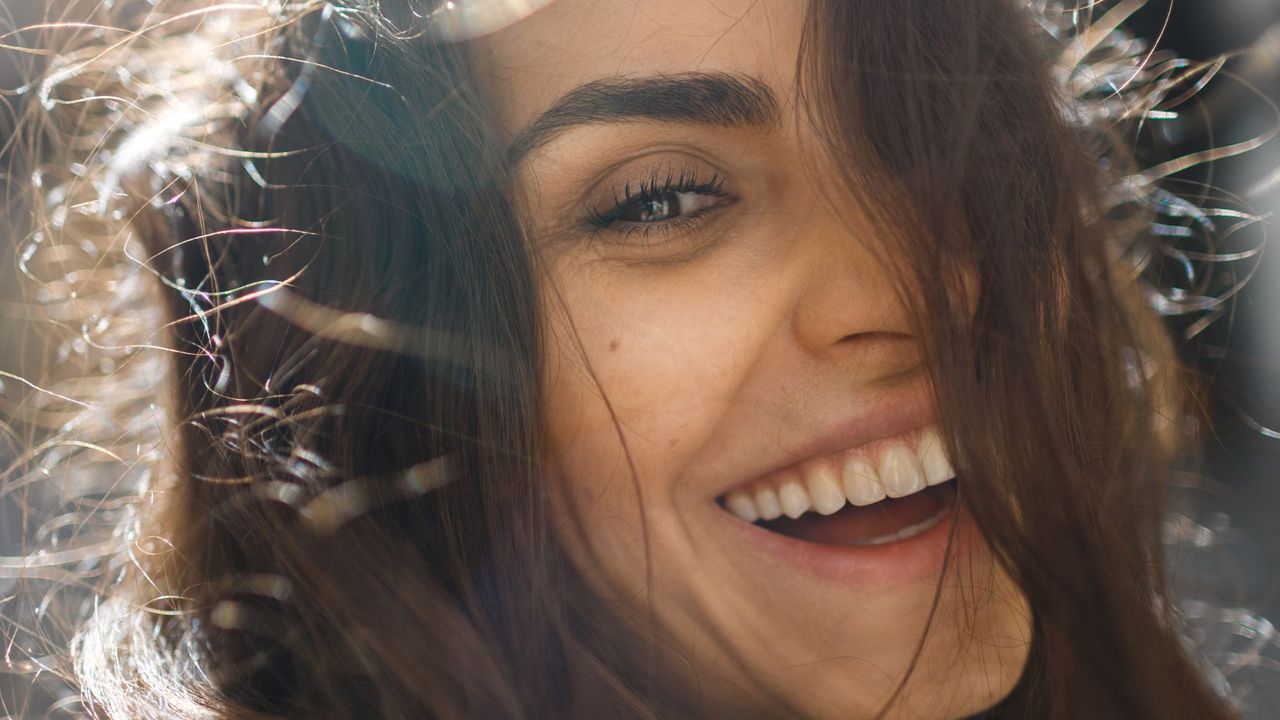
(286, 463)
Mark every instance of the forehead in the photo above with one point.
(525, 67)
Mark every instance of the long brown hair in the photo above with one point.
(306, 378)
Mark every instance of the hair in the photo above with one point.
(297, 407)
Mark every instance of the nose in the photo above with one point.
(844, 293)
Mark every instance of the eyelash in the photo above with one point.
(654, 188)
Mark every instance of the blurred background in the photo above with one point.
(1239, 355)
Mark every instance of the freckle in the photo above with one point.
(613, 344)
(674, 442)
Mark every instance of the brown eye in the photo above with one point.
(665, 206)
(652, 210)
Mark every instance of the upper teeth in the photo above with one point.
(895, 468)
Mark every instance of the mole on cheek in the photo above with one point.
(613, 344)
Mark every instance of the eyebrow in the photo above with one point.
(723, 99)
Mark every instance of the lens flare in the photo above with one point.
(458, 20)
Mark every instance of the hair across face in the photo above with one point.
(471, 350)
(719, 314)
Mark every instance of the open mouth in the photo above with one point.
(875, 495)
(889, 520)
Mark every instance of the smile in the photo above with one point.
(880, 493)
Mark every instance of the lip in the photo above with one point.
(890, 414)
(915, 559)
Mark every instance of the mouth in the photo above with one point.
(888, 521)
(884, 493)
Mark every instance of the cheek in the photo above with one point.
(655, 374)
(659, 355)
(645, 362)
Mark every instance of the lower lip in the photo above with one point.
(909, 560)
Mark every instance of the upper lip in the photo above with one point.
(890, 413)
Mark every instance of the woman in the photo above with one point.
(674, 359)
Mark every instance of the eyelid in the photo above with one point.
(601, 218)
(678, 247)
(656, 176)
(649, 190)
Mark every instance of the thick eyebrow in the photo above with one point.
(724, 99)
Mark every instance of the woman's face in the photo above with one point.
(722, 342)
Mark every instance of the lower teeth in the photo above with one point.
(906, 532)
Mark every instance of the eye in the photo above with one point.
(667, 206)
(666, 202)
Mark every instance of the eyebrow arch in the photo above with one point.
(724, 99)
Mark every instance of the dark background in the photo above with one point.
(1234, 108)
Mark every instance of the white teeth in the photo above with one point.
(895, 469)
(861, 484)
(933, 457)
(825, 491)
(910, 530)
(741, 504)
(900, 471)
(767, 504)
(794, 498)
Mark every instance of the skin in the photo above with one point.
(714, 349)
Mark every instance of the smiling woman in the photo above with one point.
(748, 358)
